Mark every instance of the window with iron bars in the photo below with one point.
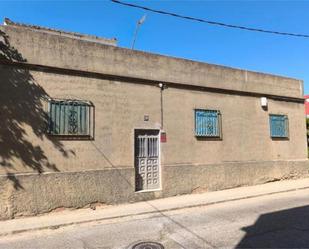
(70, 118)
(279, 126)
(207, 123)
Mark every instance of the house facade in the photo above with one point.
(84, 121)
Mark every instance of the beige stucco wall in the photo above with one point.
(63, 52)
(245, 129)
(120, 108)
(39, 173)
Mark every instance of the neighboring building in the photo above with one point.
(83, 121)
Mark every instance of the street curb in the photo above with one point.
(52, 227)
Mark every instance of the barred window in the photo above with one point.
(207, 123)
(70, 118)
(278, 126)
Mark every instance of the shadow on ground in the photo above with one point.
(21, 111)
(283, 229)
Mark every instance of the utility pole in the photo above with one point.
(139, 23)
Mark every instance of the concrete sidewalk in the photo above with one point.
(70, 217)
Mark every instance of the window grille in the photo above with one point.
(207, 123)
(70, 118)
(278, 126)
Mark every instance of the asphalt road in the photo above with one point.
(274, 221)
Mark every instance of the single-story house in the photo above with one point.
(83, 121)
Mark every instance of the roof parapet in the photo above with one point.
(74, 35)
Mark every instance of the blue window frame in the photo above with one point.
(69, 118)
(207, 123)
(279, 127)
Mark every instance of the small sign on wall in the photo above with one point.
(163, 137)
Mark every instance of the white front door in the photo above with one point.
(147, 165)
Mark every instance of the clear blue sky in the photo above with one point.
(281, 55)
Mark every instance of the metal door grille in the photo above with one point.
(147, 160)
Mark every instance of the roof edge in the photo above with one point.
(75, 35)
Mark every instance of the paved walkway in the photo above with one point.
(65, 218)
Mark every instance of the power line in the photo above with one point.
(211, 22)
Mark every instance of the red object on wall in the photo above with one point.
(307, 105)
(163, 137)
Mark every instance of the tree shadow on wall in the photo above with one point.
(21, 111)
(283, 229)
